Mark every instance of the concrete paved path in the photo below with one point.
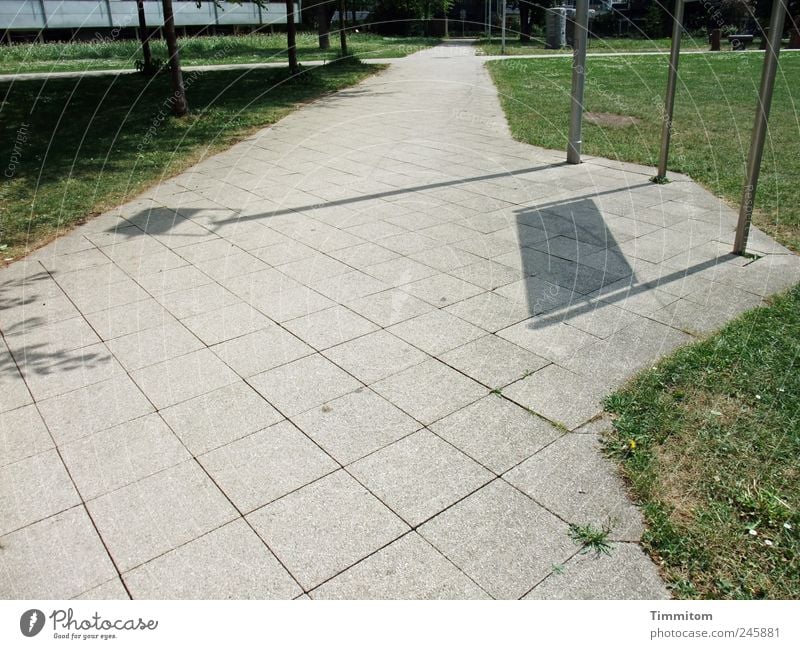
(359, 354)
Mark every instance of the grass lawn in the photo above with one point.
(75, 143)
(715, 106)
(717, 439)
(596, 45)
(197, 50)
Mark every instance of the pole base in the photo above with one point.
(659, 180)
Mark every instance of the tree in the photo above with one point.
(400, 16)
(530, 12)
(342, 27)
(178, 102)
(325, 11)
(291, 38)
(144, 36)
(524, 21)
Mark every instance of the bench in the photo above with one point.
(740, 41)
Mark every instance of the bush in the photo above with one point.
(655, 22)
(391, 18)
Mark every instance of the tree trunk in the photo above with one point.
(291, 38)
(324, 26)
(342, 26)
(178, 100)
(794, 33)
(144, 36)
(524, 23)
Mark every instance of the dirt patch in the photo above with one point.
(611, 119)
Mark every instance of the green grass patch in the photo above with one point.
(709, 440)
(714, 111)
(197, 50)
(591, 539)
(75, 147)
(491, 47)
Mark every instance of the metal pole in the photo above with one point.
(760, 127)
(503, 30)
(669, 100)
(489, 20)
(578, 77)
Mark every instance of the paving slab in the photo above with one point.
(94, 408)
(436, 332)
(57, 558)
(355, 425)
(501, 539)
(433, 260)
(261, 350)
(230, 562)
(496, 432)
(110, 590)
(626, 572)
(561, 396)
(430, 390)
(303, 384)
(330, 327)
(419, 476)
(226, 323)
(389, 307)
(262, 467)
(493, 361)
(219, 417)
(52, 373)
(138, 523)
(33, 489)
(150, 346)
(184, 377)
(376, 356)
(128, 319)
(22, 434)
(409, 568)
(572, 479)
(121, 455)
(326, 527)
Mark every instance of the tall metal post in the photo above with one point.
(672, 82)
(776, 22)
(489, 19)
(578, 78)
(503, 29)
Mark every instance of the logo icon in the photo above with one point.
(31, 622)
